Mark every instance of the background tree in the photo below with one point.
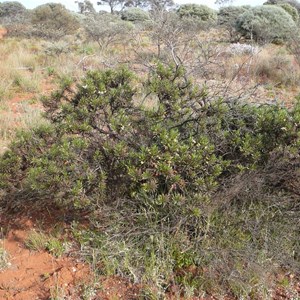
(197, 11)
(266, 23)
(221, 2)
(106, 29)
(53, 20)
(290, 10)
(86, 7)
(135, 14)
(11, 8)
(293, 3)
(12, 12)
(15, 17)
(159, 4)
(120, 5)
(293, 10)
(114, 4)
(227, 18)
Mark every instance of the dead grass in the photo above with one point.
(19, 116)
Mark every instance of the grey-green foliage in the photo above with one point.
(293, 3)
(106, 29)
(12, 13)
(53, 20)
(15, 17)
(266, 23)
(179, 193)
(197, 11)
(227, 18)
(290, 10)
(11, 8)
(86, 7)
(135, 14)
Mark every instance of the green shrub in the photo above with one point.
(36, 241)
(52, 21)
(290, 10)
(135, 14)
(267, 23)
(107, 29)
(86, 7)
(197, 11)
(227, 18)
(183, 193)
(293, 3)
(11, 9)
(15, 17)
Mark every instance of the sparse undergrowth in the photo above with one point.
(4, 259)
(39, 241)
(189, 193)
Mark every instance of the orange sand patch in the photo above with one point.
(33, 275)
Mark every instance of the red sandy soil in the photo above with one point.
(35, 275)
(3, 32)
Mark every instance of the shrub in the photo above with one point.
(227, 18)
(197, 11)
(15, 17)
(11, 9)
(178, 193)
(107, 29)
(86, 7)
(293, 3)
(56, 48)
(52, 21)
(265, 23)
(135, 14)
(290, 10)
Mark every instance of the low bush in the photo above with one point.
(179, 193)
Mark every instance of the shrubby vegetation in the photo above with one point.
(227, 18)
(135, 14)
(293, 3)
(290, 10)
(52, 21)
(11, 9)
(267, 23)
(197, 11)
(187, 187)
(179, 193)
(86, 7)
(106, 29)
(13, 15)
